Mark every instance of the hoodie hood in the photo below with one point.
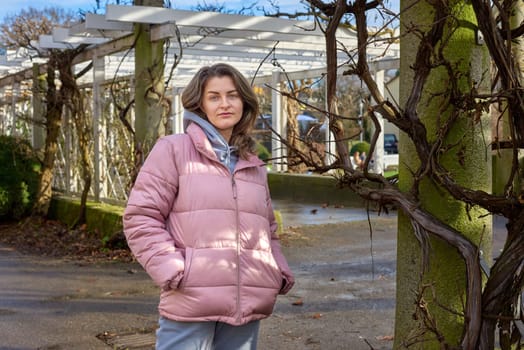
(226, 154)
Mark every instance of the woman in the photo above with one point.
(200, 221)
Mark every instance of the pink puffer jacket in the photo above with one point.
(206, 237)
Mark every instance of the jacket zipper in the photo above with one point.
(235, 197)
(234, 186)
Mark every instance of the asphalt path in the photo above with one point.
(55, 304)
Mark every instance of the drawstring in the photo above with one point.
(226, 156)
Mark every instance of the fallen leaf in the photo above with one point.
(385, 337)
(317, 316)
(298, 302)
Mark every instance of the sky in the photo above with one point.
(13, 7)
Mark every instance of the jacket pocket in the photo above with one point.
(187, 267)
(275, 271)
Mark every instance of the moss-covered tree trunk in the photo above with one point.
(430, 303)
(151, 107)
(38, 88)
(53, 118)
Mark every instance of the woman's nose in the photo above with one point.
(224, 101)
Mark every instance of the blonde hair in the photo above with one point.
(192, 101)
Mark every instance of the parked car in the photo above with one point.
(311, 129)
(390, 144)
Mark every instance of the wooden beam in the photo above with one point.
(47, 42)
(100, 22)
(139, 14)
(106, 49)
(62, 35)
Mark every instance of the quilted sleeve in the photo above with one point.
(144, 220)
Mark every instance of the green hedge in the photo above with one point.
(19, 176)
(360, 147)
(311, 189)
(103, 220)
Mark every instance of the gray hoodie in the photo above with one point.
(228, 155)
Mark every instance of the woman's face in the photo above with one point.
(222, 104)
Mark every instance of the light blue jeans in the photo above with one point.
(174, 335)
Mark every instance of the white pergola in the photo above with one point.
(266, 49)
(254, 44)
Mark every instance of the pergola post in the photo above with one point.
(98, 79)
(378, 155)
(177, 117)
(14, 94)
(66, 129)
(150, 113)
(278, 152)
(4, 125)
(329, 144)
